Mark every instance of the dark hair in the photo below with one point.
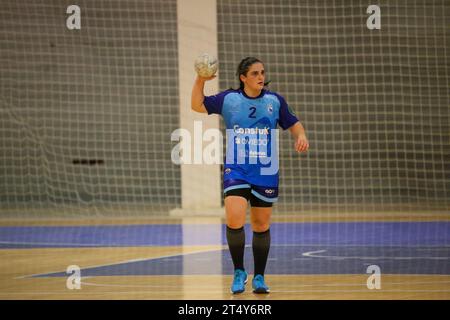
(243, 68)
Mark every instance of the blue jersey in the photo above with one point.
(251, 124)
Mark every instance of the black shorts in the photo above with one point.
(247, 194)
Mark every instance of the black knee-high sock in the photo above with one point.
(261, 246)
(236, 244)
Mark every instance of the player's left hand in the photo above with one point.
(302, 144)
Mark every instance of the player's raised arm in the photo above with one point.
(206, 66)
(197, 97)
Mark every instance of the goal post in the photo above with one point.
(197, 33)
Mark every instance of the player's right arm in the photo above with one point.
(197, 97)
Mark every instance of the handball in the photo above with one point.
(205, 65)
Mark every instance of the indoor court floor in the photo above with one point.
(187, 258)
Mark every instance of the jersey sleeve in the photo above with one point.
(214, 104)
(287, 116)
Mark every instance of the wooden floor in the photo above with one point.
(18, 265)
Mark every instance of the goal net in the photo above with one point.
(86, 115)
(375, 103)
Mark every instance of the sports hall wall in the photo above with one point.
(86, 115)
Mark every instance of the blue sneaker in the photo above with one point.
(239, 281)
(258, 284)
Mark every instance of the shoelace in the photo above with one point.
(240, 276)
(260, 281)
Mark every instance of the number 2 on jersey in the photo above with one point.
(252, 113)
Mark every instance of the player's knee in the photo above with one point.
(235, 224)
(235, 221)
(259, 226)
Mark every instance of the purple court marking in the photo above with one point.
(297, 248)
(342, 233)
(288, 260)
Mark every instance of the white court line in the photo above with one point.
(57, 245)
(288, 286)
(434, 246)
(307, 254)
(272, 292)
(120, 262)
(313, 254)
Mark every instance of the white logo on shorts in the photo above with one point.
(227, 170)
(269, 191)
